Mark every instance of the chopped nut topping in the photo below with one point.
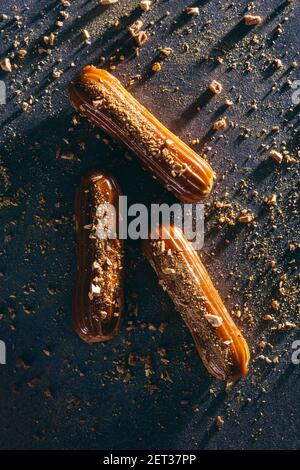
(95, 290)
(214, 320)
(96, 265)
(168, 270)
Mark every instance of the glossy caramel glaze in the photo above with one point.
(98, 295)
(182, 275)
(101, 98)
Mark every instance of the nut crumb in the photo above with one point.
(220, 124)
(166, 51)
(5, 64)
(214, 320)
(135, 27)
(215, 87)
(252, 20)
(141, 38)
(108, 2)
(86, 36)
(246, 218)
(193, 11)
(220, 421)
(145, 5)
(156, 67)
(277, 156)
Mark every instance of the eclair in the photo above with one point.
(101, 98)
(98, 295)
(181, 273)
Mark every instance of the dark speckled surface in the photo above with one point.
(56, 391)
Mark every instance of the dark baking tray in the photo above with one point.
(58, 392)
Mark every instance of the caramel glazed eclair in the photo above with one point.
(98, 296)
(182, 275)
(100, 97)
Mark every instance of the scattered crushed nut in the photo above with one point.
(215, 87)
(49, 40)
(193, 11)
(228, 102)
(252, 20)
(108, 2)
(246, 218)
(56, 73)
(141, 38)
(145, 5)
(286, 326)
(166, 51)
(271, 200)
(275, 304)
(5, 64)
(86, 36)
(220, 421)
(278, 64)
(220, 124)
(268, 317)
(135, 27)
(25, 106)
(277, 156)
(156, 67)
(22, 53)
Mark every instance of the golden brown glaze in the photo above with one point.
(101, 98)
(182, 275)
(98, 296)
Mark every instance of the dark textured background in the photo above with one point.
(79, 396)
